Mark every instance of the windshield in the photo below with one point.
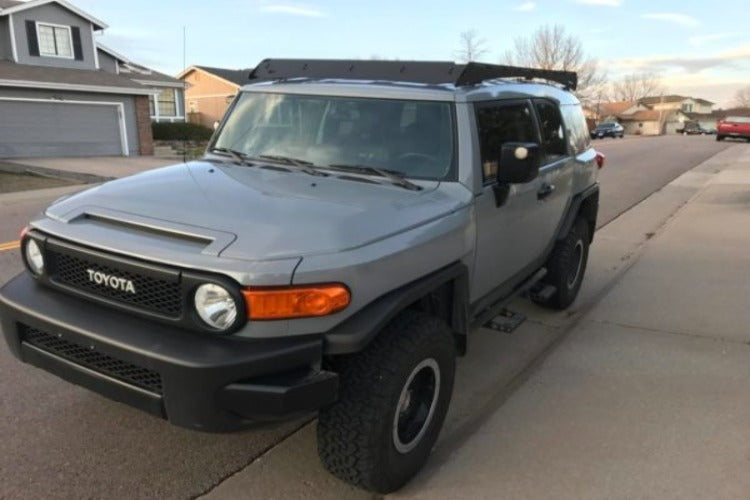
(412, 138)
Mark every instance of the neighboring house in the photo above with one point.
(650, 121)
(680, 109)
(657, 115)
(608, 111)
(678, 102)
(209, 91)
(62, 94)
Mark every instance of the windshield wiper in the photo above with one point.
(306, 166)
(237, 156)
(395, 177)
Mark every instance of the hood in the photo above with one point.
(257, 213)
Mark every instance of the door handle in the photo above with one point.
(545, 190)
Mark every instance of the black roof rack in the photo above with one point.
(428, 72)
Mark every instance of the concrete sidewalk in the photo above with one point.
(649, 394)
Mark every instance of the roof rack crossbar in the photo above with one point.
(427, 72)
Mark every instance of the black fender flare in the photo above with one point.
(590, 195)
(354, 333)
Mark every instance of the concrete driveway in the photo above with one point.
(99, 166)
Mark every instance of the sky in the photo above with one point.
(698, 48)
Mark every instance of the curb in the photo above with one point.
(79, 177)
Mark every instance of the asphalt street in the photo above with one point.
(636, 167)
(65, 442)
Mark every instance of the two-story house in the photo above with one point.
(678, 103)
(685, 109)
(657, 115)
(63, 94)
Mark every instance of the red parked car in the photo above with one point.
(733, 126)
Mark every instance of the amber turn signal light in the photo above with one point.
(295, 302)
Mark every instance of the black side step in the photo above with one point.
(541, 292)
(506, 321)
(493, 310)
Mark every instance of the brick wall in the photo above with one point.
(143, 122)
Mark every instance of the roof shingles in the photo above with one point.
(12, 74)
(6, 4)
(237, 76)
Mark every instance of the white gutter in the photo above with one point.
(75, 87)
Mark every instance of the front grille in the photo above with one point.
(90, 358)
(151, 294)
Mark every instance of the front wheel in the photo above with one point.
(719, 137)
(567, 266)
(393, 398)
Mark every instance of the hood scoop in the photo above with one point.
(131, 227)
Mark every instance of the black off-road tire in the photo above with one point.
(358, 435)
(567, 266)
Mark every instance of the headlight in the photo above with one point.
(216, 306)
(34, 257)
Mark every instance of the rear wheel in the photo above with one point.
(567, 266)
(392, 402)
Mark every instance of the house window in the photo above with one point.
(165, 103)
(55, 41)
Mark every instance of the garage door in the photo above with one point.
(29, 128)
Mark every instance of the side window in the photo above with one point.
(578, 130)
(498, 124)
(553, 132)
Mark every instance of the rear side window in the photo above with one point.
(498, 124)
(552, 130)
(578, 130)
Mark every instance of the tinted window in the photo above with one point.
(553, 134)
(498, 124)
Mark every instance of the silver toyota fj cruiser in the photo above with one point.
(349, 226)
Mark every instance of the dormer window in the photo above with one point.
(55, 40)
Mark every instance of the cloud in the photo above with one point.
(293, 10)
(525, 7)
(658, 64)
(673, 17)
(699, 40)
(606, 3)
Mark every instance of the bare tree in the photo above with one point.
(471, 47)
(742, 97)
(550, 47)
(637, 86)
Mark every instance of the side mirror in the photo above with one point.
(519, 162)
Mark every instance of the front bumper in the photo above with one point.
(194, 380)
